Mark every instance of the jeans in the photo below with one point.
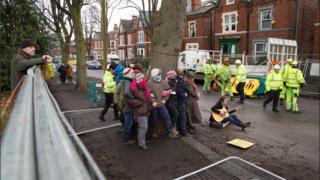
(164, 115)
(182, 119)
(142, 130)
(240, 89)
(173, 114)
(127, 125)
(233, 119)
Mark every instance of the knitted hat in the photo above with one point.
(155, 72)
(139, 76)
(26, 43)
(128, 73)
(171, 74)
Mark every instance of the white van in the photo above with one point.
(113, 58)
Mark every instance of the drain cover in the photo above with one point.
(231, 168)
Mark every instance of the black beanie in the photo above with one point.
(26, 43)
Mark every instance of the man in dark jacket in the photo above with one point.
(182, 103)
(23, 60)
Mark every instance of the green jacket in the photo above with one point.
(274, 81)
(19, 66)
(109, 83)
(294, 78)
(241, 74)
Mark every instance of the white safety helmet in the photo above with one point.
(238, 61)
(276, 67)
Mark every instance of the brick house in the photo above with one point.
(244, 25)
(96, 51)
(316, 44)
(113, 40)
(198, 27)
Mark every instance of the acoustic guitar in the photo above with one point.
(219, 117)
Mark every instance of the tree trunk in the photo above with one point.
(168, 35)
(104, 33)
(78, 34)
(65, 51)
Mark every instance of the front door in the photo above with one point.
(230, 46)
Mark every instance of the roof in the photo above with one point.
(203, 9)
(126, 25)
(144, 19)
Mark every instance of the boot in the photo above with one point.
(245, 125)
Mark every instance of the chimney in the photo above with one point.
(134, 22)
(195, 4)
(115, 27)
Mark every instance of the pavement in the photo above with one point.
(286, 144)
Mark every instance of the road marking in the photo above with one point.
(82, 110)
(98, 129)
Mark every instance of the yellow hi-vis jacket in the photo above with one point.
(294, 78)
(224, 73)
(208, 69)
(274, 81)
(241, 74)
(109, 83)
(284, 70)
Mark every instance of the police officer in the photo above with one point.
(274, 85)
(241, 77)
(293, 81)
(284, 71)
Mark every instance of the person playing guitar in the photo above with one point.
(220, 115)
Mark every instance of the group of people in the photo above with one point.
(143, 97)
(65, 73)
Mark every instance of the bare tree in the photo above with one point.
(88, 33)
(59, 23)
(165, 28)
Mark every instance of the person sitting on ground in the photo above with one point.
(193, 111)
(141, 107)
(160, 95)
(220, 115)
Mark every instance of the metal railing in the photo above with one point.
(37, 144)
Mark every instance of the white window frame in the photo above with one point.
(195, 28)
(228, 3)
(194, 48)
(122, 43)
(129, 52)
(121, 54)
(229, 23)
(129, 39)
(260, 52)
(139, 50)
(260, 18)
(141, 36)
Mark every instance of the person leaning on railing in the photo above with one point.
(23, 60)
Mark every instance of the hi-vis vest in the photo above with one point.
(109, 83)
(294, 78)
(284, 70)
(208, 69)
(274, 81)
(241, 74)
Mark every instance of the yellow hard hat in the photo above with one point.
(294, 63)
(290, 60)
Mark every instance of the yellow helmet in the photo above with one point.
(289, 60)
(294, 63)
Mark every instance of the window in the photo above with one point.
(192, 46)
(260, 48)
(129, 39)
(141, 36)
(122, 41)
(265, 19)
(229, 2)
(130, 56)
(192, 29)
(229, 22)
(140, 52)
(121, 54)
(112, 44)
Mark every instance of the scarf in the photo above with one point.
(143, 85)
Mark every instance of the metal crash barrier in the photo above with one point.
(38, 142)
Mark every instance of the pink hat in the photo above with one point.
(171, 74)
(128, 73)
(139, 76)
